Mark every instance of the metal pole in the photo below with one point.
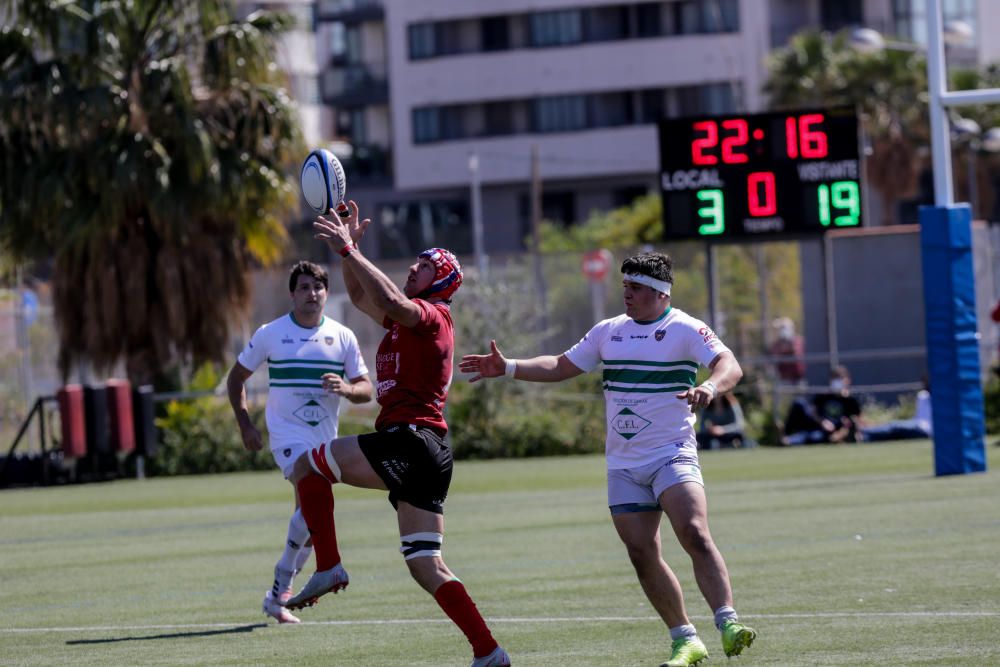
(475, 194)
(831, 301)
(937, 86)
(713, 287)
(536, 221)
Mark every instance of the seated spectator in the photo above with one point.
(722, 424)
(921, 426)
(834, 416)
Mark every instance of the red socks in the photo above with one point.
(316, 496)
(455, 602)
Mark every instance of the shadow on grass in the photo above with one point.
(173, 635)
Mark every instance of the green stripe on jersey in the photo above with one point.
(309, 385)
(646, 390)
(656, 364)
(300, 362)
(648, 376)
(300, 373)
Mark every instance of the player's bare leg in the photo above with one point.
(687, 509)
(313, 474)
(640, 532)
(422, 534)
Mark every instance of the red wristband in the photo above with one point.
(347, 249)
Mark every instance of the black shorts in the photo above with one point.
(413, 461)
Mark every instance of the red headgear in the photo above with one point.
(447, 275)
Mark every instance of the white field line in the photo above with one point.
(557, 619)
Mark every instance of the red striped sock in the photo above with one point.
(316, 496)
(455, 601)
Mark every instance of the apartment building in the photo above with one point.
(420, 87)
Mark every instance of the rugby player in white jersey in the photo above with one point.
(312, 361)
(651, 356)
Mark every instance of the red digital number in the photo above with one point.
(710, 140)
(729, 143)
(761, 182)
(801, 138)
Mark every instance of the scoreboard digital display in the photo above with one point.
(760, 175)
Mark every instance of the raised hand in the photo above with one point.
(484, 365)
(349, 213)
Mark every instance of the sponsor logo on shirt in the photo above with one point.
(308, 340)
(384, 386)
(616, 339)
(311, 413)
(642, 336)
(287, 341)
(707, 334)
(628, 424)
(660, 334)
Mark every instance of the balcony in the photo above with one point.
(354, 85)
(350, 11)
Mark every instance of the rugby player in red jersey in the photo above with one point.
(407, 454)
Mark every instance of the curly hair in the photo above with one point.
(307, 269)
(653, 264)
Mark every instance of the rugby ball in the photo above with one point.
(323, 182)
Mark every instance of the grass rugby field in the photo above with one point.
(851, 555)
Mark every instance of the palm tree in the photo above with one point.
(888, 88)
(143, 151)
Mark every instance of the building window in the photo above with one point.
(426, 125)
(649, 19)
(422, 43)
(837, 14)
(701, 16)
(498, 119)
(556, 28)
(409, 227)
(653, 105)
(715, 98)
(563, 113)
(610, 110)
(495, 33)
(603, 24)
(557, 207)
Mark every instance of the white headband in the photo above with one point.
(658, 285)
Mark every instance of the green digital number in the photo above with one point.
(713, 210)
(839, 195)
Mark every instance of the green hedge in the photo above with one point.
(200, 436)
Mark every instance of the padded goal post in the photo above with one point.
(952, 339)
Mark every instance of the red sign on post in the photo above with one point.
(595, 264)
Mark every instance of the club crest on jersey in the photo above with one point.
(660, 334)
(328, 340)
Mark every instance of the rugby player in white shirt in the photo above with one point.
(312, 361)
(651, 356)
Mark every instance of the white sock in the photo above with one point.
(298, 533)
(723, 614)
(302, 557)
(683, 631)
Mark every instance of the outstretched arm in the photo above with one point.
(546, 368)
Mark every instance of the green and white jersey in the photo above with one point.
(645, 365)
(298, 408)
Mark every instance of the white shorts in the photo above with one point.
(287, 453)
(638, 489)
